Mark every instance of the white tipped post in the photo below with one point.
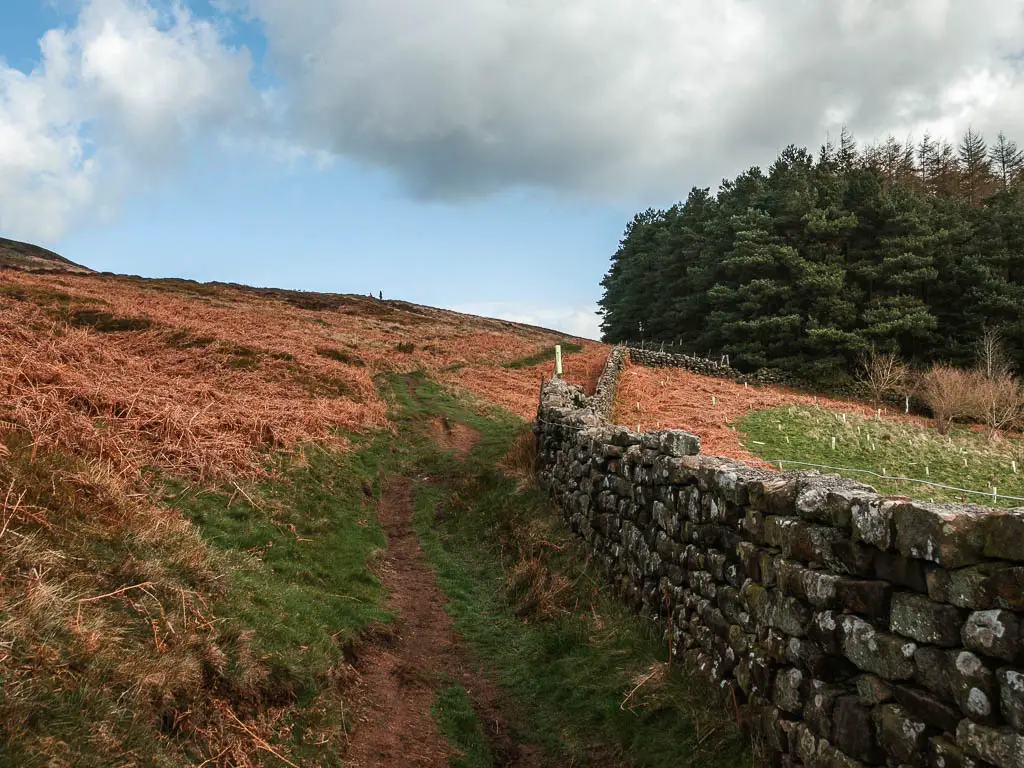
(558, 359)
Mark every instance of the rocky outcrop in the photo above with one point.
(848, 627)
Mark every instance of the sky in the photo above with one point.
(481, 155)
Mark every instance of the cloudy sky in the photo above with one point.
(477, 154)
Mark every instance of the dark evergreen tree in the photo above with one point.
(915, 249)
(976, 182)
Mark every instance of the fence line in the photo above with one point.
(989, 494)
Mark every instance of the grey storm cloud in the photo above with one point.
(630, 97)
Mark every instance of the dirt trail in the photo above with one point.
(398, 675)
(397, 679)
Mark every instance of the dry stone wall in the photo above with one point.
(652, 358)
(848, 627)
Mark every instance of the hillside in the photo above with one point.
(32, 257)
(191, 565)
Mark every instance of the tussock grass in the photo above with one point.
(108, 647)
(187, 626)
(965, 458)
(340, 356)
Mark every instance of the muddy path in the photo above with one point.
(401, 670)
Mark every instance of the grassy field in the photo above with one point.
(187, 510)
(965, 459)
(299, 552)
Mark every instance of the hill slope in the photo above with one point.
(188, 475)
(33, 257)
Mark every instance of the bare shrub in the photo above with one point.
(999, 398)
(999, 402)
(993, 362)
(951, 393)
(882, 373)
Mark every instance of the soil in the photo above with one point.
(399, 672)
(456, 436)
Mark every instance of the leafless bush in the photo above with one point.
(999, 398)
(883, 373)
(951, 393)
(999, 401)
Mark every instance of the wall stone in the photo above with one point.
(849, 628)
(653, 358)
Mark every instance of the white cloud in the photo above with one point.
(575, 321)
(113, 102)
(629, 97)
(625, 100)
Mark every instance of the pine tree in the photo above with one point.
(928, 163)
(975, 168)
(846, 154)
(909, 175)
(907, 248)
(1007, 161)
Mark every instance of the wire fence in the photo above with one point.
(993, 494)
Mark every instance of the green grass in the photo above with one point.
(300, 557)
(454, 714)
(566, 670)
(548, 353)
(964, 459)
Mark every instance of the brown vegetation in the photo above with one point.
(950, 393)
(107, 384)
(671, 398)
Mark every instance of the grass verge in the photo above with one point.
(963, 459)
(300, 552)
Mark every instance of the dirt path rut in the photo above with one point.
(398, 678)
(399, 674)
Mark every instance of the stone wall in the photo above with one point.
(653, 358)
(850, 628)
(603, 400)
